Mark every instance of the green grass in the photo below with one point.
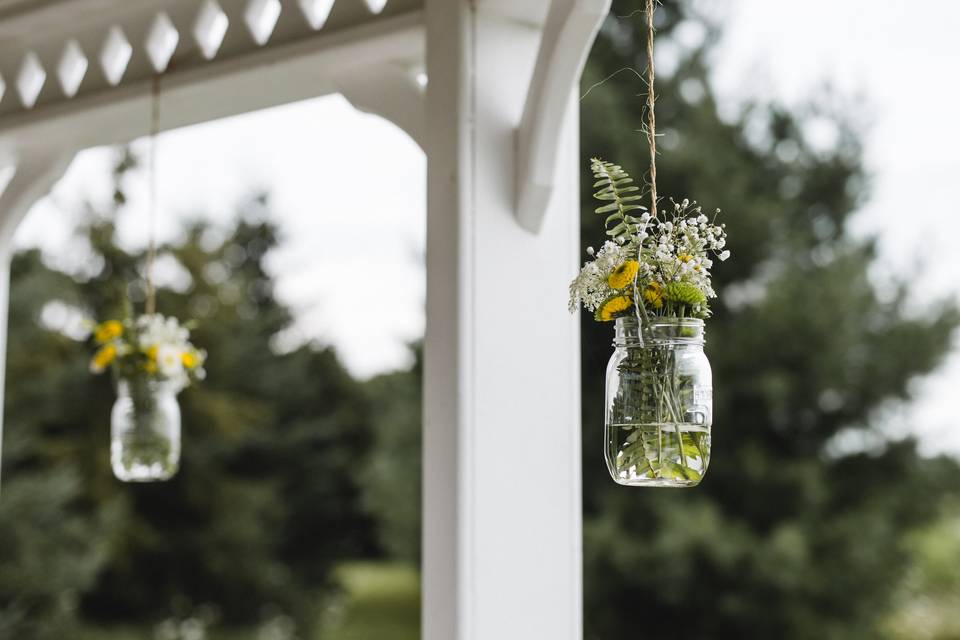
(380, 601)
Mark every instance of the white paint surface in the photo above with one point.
(502, 528)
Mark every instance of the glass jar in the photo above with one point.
(659, 404)
(145, 431)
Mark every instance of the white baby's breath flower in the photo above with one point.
(671, 248)
(590, 287)
(169, 361)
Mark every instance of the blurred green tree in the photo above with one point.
(392, 480)
(267, 498)
(925, 607)
(792, 534)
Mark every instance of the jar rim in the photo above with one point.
(662, 330)
(663, 320)
(151, 382)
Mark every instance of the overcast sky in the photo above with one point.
(342, 225)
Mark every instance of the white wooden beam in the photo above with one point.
(568, 35)
(200, 30)
(502, 498)
(264, 78)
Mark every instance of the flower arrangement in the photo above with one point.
(152, 348)
(652, 266)
(152, 360)
(653, 277)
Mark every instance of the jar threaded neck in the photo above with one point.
(661, 331)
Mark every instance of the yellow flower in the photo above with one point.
(613, 306)
(684, 257)
(107, 331)
(189, 359)
(150, 366)
(624, 274)
(653, 294)
(102, 358)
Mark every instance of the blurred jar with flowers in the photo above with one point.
(151, 359)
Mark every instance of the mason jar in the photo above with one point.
(659, 403)
(145, 431)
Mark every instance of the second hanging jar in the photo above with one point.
(145, 431)
(659, 403)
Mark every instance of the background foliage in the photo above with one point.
(791, 535)
(812, 522)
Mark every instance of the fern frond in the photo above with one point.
(616, 188)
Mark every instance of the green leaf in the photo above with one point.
(614, 185)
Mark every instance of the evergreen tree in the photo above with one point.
(788, 536)
(266, 500)
(392, 478)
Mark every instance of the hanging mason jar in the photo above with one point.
(145, 430)
(659, 404)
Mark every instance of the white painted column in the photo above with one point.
(502, 498)
(4, 312)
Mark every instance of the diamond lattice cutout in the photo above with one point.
(115, 55)
(376, 6)
(316, 11)
(210, 28)
(161, 42)
(261, 17)
(30, 79)
(72, 68)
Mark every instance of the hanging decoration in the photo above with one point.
(152, 360)
(651, 278)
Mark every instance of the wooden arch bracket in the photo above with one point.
(568, 34)
(392, 91)
(23, 181)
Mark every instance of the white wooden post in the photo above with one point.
(502, 520)
(4, 310)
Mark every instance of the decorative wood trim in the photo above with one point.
(260, 79)
(568, 35)
(391, 91)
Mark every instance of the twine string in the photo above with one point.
(640, 310)
(651, 113)
(151, 301)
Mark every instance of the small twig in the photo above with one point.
(610, 77)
